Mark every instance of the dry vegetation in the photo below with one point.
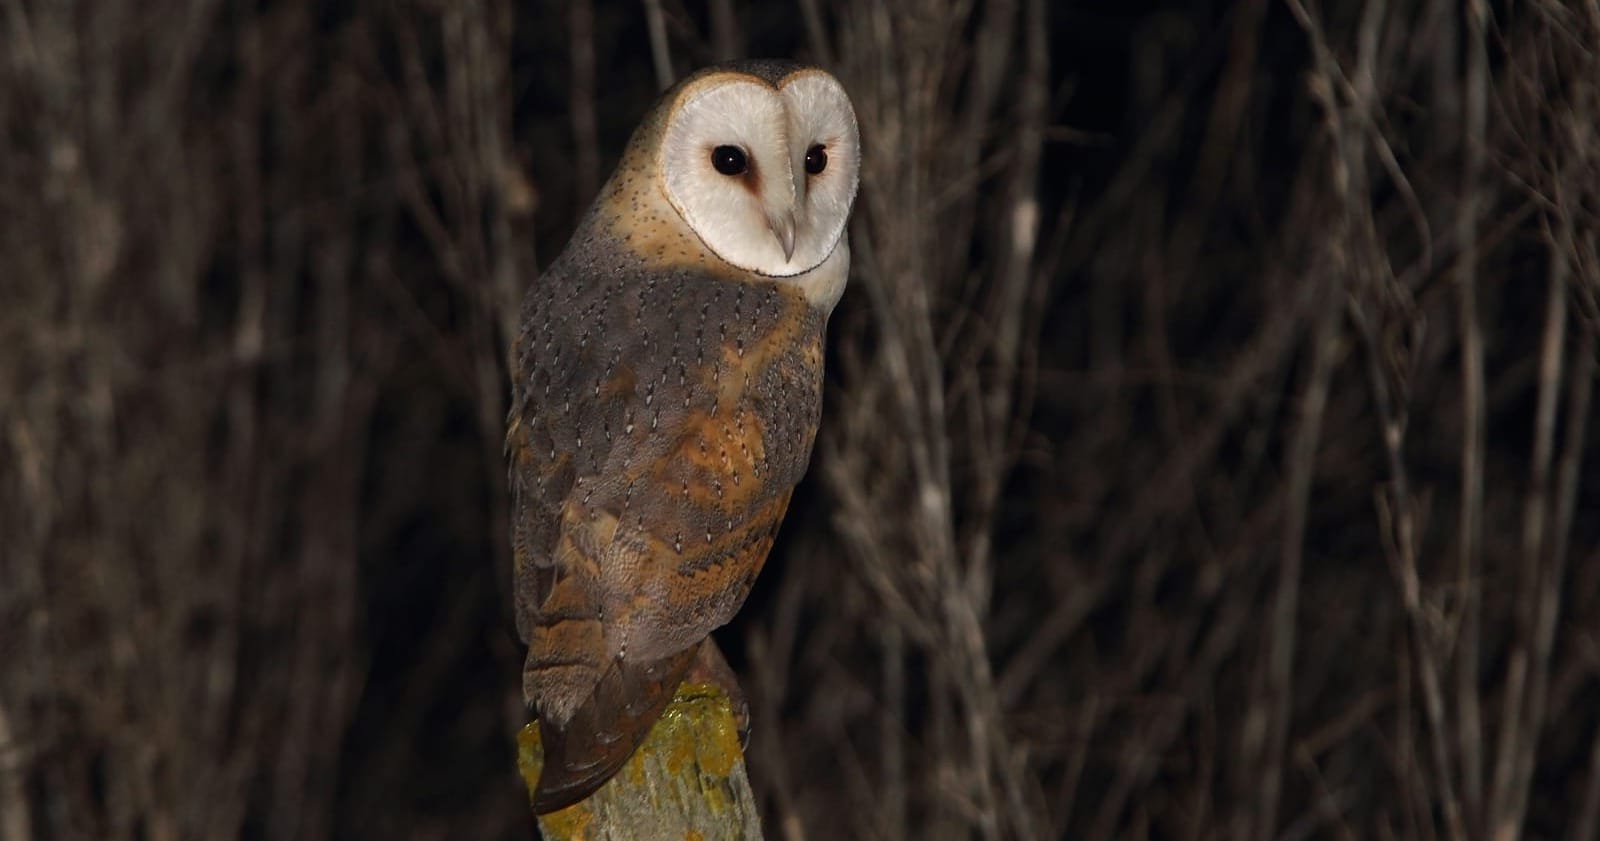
(1207, 451)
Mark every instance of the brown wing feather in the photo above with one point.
(659, 423)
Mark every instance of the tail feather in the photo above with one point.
(591, 746)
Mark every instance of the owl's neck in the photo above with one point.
(824, 284)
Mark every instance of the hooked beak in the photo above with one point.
(782, 225)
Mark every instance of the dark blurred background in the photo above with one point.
(1206, 455)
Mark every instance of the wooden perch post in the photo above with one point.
(686, 781)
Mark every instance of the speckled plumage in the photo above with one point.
(664, 407)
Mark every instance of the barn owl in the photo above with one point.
(666, 393)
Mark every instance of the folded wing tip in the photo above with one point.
(605, 731)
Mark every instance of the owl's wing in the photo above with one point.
(591, 713)
(565, 398)
(657, 431)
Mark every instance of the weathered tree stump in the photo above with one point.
(686, 781)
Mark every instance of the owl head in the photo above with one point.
(761, 161)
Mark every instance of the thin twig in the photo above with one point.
(1469, 569)
(585, 128)
(659, 50)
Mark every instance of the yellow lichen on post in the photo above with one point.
(686, 781)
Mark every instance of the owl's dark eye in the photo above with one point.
(816, 159)
(729, 160)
